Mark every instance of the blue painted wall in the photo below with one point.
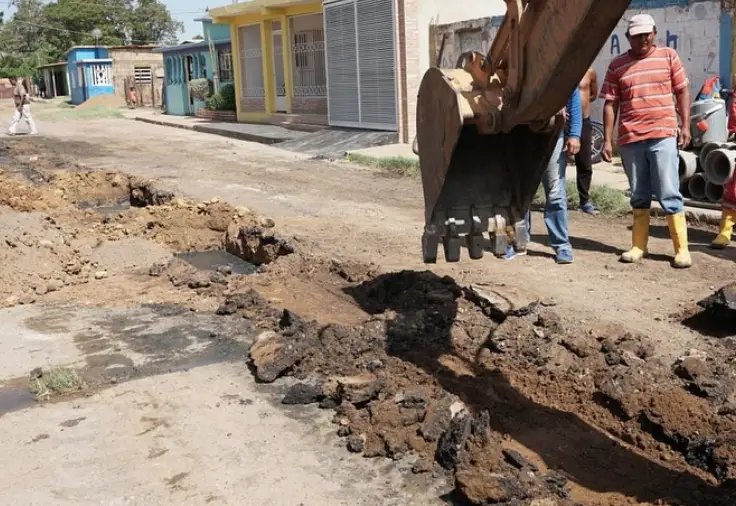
(82, 90)
(176, 80)
(215, 31)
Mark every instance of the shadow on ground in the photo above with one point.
(565, 442)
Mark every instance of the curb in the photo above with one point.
(241, 136)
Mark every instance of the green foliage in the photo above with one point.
(609, 201)
(223, 100)
(200, 88)
(57, 381)
(39, 32)
(399, 165)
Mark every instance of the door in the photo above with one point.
(188, 68)
(361, 63)
(278, 66)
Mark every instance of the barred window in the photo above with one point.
(143, 75)
(226, 65)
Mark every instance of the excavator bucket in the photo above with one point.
(484, 143)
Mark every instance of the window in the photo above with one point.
(225, 60)
(143, 75)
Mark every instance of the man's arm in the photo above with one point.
(680, 84)
(593, 84)
(575, 111)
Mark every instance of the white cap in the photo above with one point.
(641, 23)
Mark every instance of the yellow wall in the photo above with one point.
(264, 19)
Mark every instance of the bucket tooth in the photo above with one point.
(452, 245)
(475, 243)
(430, 247)
(499, 242)
(520, 232)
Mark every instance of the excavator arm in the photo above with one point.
(486, 130)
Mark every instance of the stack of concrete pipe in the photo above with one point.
(703, 174)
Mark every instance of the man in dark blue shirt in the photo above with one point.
(555, 186)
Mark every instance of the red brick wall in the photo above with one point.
(253, 104)
(216, 115)
(409, 75)
(309, 105)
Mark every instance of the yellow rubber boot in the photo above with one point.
(728, 218)
(639, 237)
(678, 232)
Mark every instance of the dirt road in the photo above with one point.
(349, 212)
(171, 416)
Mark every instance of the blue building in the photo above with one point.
(193, 60)
(90, 73)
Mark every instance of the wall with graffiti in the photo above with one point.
(698, 30)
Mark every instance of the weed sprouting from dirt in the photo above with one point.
(54, 382)
(610, 201)
(398, 165)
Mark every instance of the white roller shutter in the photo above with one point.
(361, 63)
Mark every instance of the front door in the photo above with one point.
(188, 78)
(278, 66)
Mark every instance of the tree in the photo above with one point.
(40, 32)
(22, 39)
(198, 37)
(150, 21)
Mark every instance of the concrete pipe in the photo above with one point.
(719, 165)
(706, 150)
(688, 165)
(713, 192)
(696, 186)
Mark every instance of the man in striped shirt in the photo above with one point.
(641, 84)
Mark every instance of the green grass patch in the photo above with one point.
(399, 165)
(66, 112)
(609, 201)
(54, 382)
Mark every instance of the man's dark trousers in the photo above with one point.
(584, 162)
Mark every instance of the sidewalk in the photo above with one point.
(264, 134)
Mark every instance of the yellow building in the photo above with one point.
(279, 67)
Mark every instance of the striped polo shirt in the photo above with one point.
(644, 89)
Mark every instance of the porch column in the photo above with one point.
(53, 84)
(238, 83)
(286, 60)
(267, 66)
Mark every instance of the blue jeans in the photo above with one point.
(555, 210)
(652, 167)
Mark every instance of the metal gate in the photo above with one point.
(361, 63)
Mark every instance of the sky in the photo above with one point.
(187, 11)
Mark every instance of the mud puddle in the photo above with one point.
(218, 261)
(14, 396)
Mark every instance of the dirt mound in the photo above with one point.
(103, 100)
(36, 258)
(493, 395)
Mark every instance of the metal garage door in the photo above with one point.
(361, 63)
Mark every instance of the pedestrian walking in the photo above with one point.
(584, 158)
(554, 182)
(22, 107)
(640, 84)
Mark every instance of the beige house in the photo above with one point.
(142, 67)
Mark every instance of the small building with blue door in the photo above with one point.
(90, 73)
(194, 60)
